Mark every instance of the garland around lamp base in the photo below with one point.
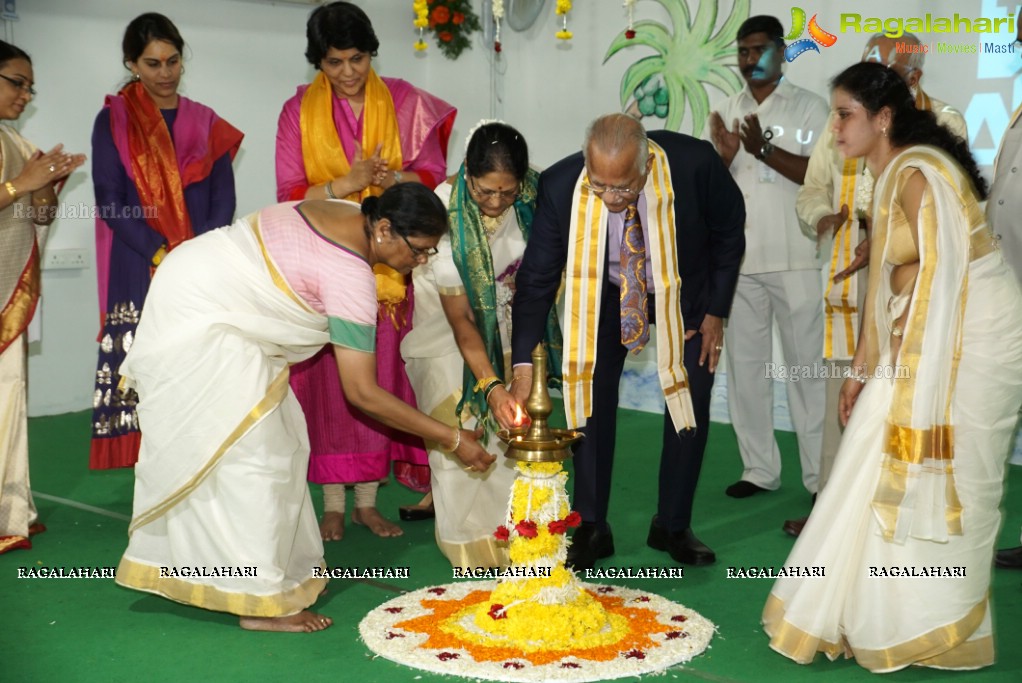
(537, 622)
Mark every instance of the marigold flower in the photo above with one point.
(440, 14)
(458, 18)
(445, 36)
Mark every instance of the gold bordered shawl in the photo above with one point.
(587, 244)
(916, 494)
(841, 299)
(325, 158)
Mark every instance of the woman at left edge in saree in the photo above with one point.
(29, 179)
(347, 135)
(162, 173)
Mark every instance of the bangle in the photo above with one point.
(11, 190)
(457, 441)
(860, 379)
(518, 377)
(489, 389)
(896, 331)
(328, 186)
(486, 382)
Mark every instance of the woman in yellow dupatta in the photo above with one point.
(347, 135)
(905, 534)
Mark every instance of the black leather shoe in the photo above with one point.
(415, 513)
(793, 527)
(683, 546)
(589, 544)
(1010, 558)
(743, 489)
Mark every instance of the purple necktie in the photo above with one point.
(634, 323)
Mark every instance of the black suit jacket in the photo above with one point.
(709, 217)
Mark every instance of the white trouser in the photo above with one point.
(792, 298)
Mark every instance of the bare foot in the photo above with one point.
(331, 527)
(372, 518)
(303, 622)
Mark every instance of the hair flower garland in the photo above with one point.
(421, 8)
(562, 9)
(451, 21)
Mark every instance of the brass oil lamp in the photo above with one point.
(539, 442)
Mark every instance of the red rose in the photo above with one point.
(502, 533)
(526, 528)
(458, 18)
(445, 36)
(557, 526)
(440, 14)
(497, 611)
(574, 519)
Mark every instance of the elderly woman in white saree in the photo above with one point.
(458, 353)
(222, 514)
(906, 536)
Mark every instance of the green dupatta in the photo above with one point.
(471, 252)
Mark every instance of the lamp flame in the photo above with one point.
(519, 416)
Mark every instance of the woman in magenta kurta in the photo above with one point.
(350, 134)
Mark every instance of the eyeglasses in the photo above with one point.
(600, 190)
(19, 84)
(418, 252)
(487, 194)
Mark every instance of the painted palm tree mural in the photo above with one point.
(688, 58)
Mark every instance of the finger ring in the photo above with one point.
(469, 469)
(719, 348)
(53, 169)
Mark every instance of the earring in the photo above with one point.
(134, 76)
(378, 241)
(885, 131)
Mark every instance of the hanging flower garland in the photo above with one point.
(421, 8)
(563, 7)
(630, 7)
(453, 22)
(498, 16)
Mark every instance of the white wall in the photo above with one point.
(246, 57)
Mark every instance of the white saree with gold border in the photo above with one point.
(222, 515)
(905, 532)
(587, 245)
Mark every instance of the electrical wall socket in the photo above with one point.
(65, 259)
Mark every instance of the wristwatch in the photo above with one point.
(765, 151)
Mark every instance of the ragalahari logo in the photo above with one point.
(817, 36)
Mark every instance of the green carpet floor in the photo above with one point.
(84, 630)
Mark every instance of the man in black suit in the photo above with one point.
(692, 220)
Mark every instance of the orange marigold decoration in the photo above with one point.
(538, 621)
(452, 22)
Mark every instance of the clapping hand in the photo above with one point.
(829, 224)
(752, 135)
(365, 171)
(44, 168)
(860, 261)
(726, 141)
